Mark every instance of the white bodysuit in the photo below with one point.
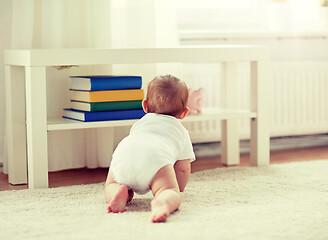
(155, 141)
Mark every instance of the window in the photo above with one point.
(252, 15)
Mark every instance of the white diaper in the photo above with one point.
(136, 165)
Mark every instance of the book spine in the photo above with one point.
(114, 115)
(100, 84)
(116, 95)
(112, 106)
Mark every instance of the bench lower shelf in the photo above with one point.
(207, 114)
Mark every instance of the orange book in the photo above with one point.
(107, 96)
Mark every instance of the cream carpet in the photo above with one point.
(285, 201)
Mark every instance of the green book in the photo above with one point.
(106, 106)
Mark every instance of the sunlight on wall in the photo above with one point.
(250, 15)
(297, 15)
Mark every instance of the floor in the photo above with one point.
(88, 176)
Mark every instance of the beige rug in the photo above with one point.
(287, 201)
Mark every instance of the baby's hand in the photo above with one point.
(196, 100)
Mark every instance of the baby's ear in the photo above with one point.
(144, 106)
(184, 113)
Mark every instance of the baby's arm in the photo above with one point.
(182, 171)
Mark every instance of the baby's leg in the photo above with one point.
(117, 195)
(167, 196)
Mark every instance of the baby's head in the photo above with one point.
(168, 95)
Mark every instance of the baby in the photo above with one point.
(157, 153)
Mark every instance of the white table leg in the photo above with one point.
(230, 138)
(260, 135)
(36, 121)
(15, 125)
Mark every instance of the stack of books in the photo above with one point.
(105, 98)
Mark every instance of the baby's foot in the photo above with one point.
(118, 203)
(159, 211)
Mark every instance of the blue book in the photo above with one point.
(105, 82)
(103, 116)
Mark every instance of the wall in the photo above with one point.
(297, 36)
